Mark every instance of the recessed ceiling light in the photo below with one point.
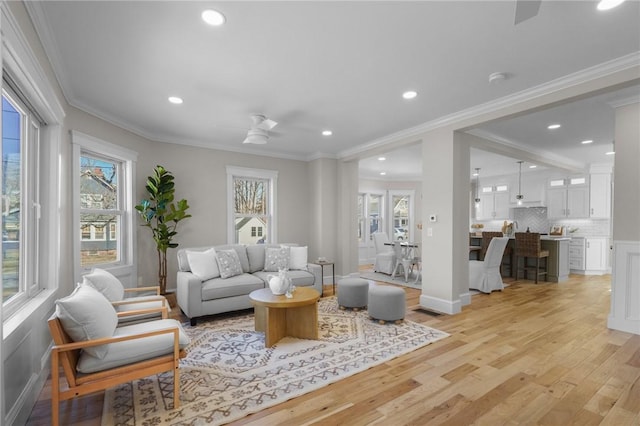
(382, 158)
(609, 4)
(409, 94)
(327, 133)
(586, 142)
(610, 153)
(213, 17)
(533, 166)
(475, 174)
(553, 126)
(383, 173)
(175, 100)
(498, 77)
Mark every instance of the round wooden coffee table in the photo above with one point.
(278, 316)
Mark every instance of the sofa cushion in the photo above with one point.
(229, 263)
(276, 258)
(130, 351)
(298, 258)
(298, 278)
(239, 285)
(106, 283)
(255, 253)
(242, 254)
(203, 264)
(87, 315)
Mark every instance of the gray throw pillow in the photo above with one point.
(229, 263)
(87, 315)
(276, 259)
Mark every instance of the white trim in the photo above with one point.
(272, 176)
(127, 267)
(450, 307)
(465, 298)
(625, 287)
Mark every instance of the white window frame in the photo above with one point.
(244, 172)
(126, 266)
(412, 219)
(29, 77)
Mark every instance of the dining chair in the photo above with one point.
(508, 252)
(385, 254)
(528, 246)
(484, 275)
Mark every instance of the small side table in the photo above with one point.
(333, 270)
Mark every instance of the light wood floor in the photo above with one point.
(532, 354)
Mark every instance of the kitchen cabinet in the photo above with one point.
(588, 255)
(576, 254)
(596, 253)
(568, 198)
(494, 203)
(600, 196)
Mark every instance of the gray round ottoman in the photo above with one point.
(387, 303)
(352, 293)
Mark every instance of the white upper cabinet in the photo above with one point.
(600, 196)
(532, 186)
(494, 202)
(568, 198)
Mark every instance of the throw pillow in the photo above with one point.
(203, 264)
(87, 315)
(276, 258)
(106, 283)
(229, 263)
(298, 258)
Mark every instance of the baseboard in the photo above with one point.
(626, 325)
(465, 299)
(450, 307)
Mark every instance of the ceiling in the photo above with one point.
(342, 66)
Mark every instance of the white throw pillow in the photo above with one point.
(106, 283)
(276, 258)
(229, 263)
(298, 258)
(87, 315)
(203, 264)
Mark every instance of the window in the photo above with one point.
(20, 200)
(374, 206)
(103, 217)
(251, 201)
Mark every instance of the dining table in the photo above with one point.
(407, 257)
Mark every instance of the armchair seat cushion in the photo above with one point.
(131, 351)
(238, 285)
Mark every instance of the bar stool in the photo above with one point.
(508, 253)
(528, 246)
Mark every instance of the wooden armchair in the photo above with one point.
(101, 355)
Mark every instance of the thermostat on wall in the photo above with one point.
(433, 218)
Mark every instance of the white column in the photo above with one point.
(445, 253)
(347, 229)
(323, 209)
(625, 279)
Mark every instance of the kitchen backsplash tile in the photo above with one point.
(534, 218)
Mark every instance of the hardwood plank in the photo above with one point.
(531, 354)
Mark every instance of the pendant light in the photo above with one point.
(477, 175)
(520, 197)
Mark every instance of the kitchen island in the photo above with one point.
(558, 260)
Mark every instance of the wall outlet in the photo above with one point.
(429, 232)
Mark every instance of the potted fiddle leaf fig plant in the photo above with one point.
(161, 214)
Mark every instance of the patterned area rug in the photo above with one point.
(399, 280)
(229, 374)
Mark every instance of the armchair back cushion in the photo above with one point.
(106, 283)
(87, 315)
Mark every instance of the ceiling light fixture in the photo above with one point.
(327, 133)
(533, 166)
(213, 17)
(477, 175)
(520, 197)
(175, 100)
(553, 126)
(586, 142)
(610, 153)
(382, 158)
(609, 4)
(409, 94)
(383, 173)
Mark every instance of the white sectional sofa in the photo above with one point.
(210, 281)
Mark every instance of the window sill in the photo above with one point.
(12, 323)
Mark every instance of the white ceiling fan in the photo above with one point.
(259, 132)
